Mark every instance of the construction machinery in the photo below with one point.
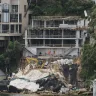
(31, 60)
(38, 62)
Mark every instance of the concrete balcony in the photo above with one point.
(67, 26)
(51, 36)
(52, 45)
(10, 34)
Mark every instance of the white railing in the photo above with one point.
(51, 36)
(67, 26)
(53, 45)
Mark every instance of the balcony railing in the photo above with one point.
(5, 31)
(53, 45)
(69, 36)
(51, 36)
(67, 26)
(35, 36)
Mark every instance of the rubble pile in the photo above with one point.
(49, 76)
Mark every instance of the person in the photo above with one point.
(66, 71)
(40, 54)
(73, 74)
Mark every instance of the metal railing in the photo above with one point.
(51, 36)
(57, 17)
(53, 45)
(5, 31)
(69, 36)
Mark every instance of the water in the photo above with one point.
(18, 95)
(30, 95)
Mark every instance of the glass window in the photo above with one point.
(12, 28)
(14, 17)
(5, 28)
(20, 28)
(5, 7)
(14, 8)
(5, 17)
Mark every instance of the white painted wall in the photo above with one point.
(74, 52)
(27, 54)
(58, 51)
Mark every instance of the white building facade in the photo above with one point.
(55, 35)
(12, 20)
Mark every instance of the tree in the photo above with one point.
(59, 7)
(88, 59)
(12, 56)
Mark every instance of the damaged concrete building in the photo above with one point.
(12, 21)
(55, 35)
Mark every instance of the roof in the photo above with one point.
(56, 17)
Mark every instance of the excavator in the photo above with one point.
(39, 62)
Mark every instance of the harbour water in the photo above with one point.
(37, 95)
(18, 95)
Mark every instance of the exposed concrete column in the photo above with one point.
(63, 21)
(77, 34)
(1, 28)
(26, 42)
(32, 23)
(44, 23)
(43, 33)
(62, 42)
(43, 42)
(62, 33)
(77, 38)
(18, 15)
(9, 28)
(77, 43)
(62, 37)
(84, 36)
(9, 24)
(30, 42)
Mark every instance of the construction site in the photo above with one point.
(55, 35)
(53, 76)
(51, 57)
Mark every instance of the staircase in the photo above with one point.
(32, 50)
(68, 51)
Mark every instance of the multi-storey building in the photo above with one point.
(55, 35)
(12, 20)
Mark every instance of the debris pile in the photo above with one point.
(59, 76)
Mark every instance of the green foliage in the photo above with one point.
(12, 56)
(93, 17)
(88, 61)
(60, 7)
(77, 6)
